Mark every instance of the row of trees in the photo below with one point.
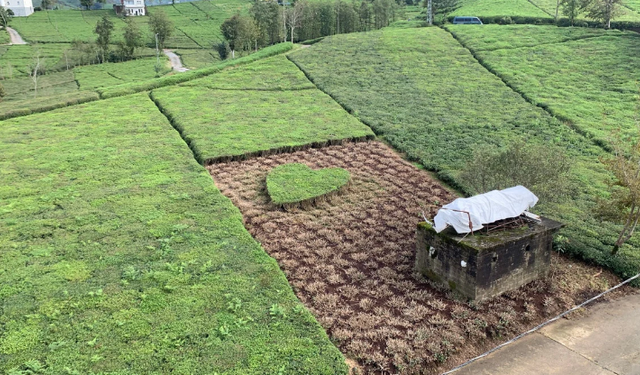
(270, 23)
(600, 10)
(159, 25)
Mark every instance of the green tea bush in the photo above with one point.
(428, 97)
(262, 108)
(119, 255)
(133, 88)
(295, 183)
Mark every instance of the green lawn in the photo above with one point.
(498, 8)
(430, 98)
(92, 77)
(593, 83)
(257, 114)
(119, 256)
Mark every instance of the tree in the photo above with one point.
(230, 29)
(295, 16)
(5, 17)
(35, 69)
(572, 9)
(104, 27)
(267, 17)
(604, 10)
(132, 39)
(2, 92)
(48, 4)
(160, 25)
(364, 13)
(542, 169)
(623, 205)
(86, 3)
(440, 7)
(241, 33)
(445, 7)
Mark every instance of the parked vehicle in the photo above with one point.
(467, 21)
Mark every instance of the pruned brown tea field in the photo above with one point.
(350, 261)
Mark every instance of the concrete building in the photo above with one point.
(130, 8)
(20, 8)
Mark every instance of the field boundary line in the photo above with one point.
(539, 326)
(349, 110)
(565, 121)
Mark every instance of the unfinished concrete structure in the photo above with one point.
(484, 265)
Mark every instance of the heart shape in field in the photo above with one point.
(295, 182)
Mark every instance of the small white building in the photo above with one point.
(130, 8)
(20, 8)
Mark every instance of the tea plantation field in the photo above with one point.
(196, 25)
(590, 82)
(111, 74)
(267, 106)
(534, 11)
(119, 255)
(428, 96)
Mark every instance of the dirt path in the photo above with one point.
(15, 37)
(176, 63)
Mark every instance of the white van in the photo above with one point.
(467, 21)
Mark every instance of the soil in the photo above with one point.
(350, 260)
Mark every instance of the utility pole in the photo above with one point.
(430, 12)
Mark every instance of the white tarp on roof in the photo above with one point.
(484, 209)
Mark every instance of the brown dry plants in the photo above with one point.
(350, 261)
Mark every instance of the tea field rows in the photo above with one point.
(592, 83)
(267, 106)
(119, 255)
(429, 98)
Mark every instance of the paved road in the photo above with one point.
(15, 37)
(606, 342)
(176, 63)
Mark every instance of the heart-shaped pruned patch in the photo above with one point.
(295, 183)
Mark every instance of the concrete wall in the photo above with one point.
(493, 263)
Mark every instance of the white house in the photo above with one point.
(20, 8)
(132, 7)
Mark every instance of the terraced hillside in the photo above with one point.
(430, 98)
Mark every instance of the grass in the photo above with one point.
(296, 182)
(590, 83)
(430, 98)
(131, 88)
(493, 37)
(92, 77)
(497, 8)
(16, 60)
(119, 255)
(197, 58)
(196, 25)
(273, 73)
(225, 124)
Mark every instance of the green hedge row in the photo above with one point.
(132, 88)
(44, 105)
